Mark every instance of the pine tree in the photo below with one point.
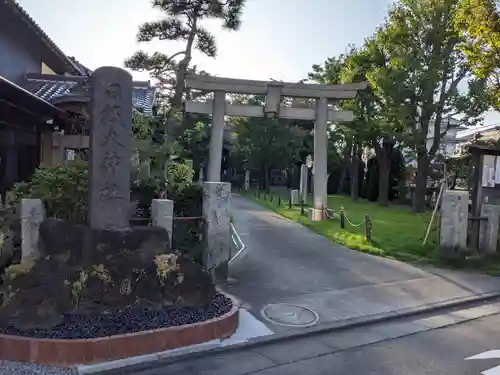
(182, 22)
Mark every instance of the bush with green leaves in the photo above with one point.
(64, 190)
(180, 176)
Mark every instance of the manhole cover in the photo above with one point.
(290, 315)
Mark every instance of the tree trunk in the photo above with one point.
(345, 168)
(343, 176)
(420, 182)
(384, 159)
(384, 172)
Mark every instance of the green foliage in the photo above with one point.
(478, 21)
(141, 126)
(414, 64)
(194, 143)
(267, 142)
(180, 176)
(64, 190)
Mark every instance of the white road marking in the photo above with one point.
(490, 354)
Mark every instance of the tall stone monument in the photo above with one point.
(110, 148)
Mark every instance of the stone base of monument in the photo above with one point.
(315, 214)
(99, 295)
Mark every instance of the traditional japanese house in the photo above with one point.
(43, 97)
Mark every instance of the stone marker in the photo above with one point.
(217, 213)
(201, 175)
(294, 196)
(247, 179)
(454, 217)
(162, 214)
(488, 229)
(32, 215)
(304, 174)
(110, 148)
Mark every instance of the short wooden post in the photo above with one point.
(289, 199)
(302, 212)
(368, 228)
(279, 200)
(342, 217)
(324, 213)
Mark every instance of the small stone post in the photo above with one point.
(32, 215)
(201, 175)
(247, 179)
(294, 196)
(217, 213)
(162, 215)
(488, 229)
(304, 174)
(110, 148)
(454, 217)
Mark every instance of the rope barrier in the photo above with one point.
(354, 225)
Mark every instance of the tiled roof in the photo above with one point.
(51, 44)
(49, 90)
(143, 95)
(144, 98)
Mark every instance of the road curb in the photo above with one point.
(289, 336)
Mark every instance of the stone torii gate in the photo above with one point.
(219, 108)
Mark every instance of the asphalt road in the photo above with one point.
(436, 352)
(284, 262)
(402, 347)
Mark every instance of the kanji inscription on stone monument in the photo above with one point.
(110, 148)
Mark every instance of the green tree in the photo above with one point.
(182, 22)
(419, 82)
(194, 143)
(374, 123)
(267, 143)
(350, 137)
(478, 21)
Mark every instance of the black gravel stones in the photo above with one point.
(128, 320)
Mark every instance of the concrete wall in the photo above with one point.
(15, 60)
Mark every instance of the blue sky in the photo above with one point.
(279, 39)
